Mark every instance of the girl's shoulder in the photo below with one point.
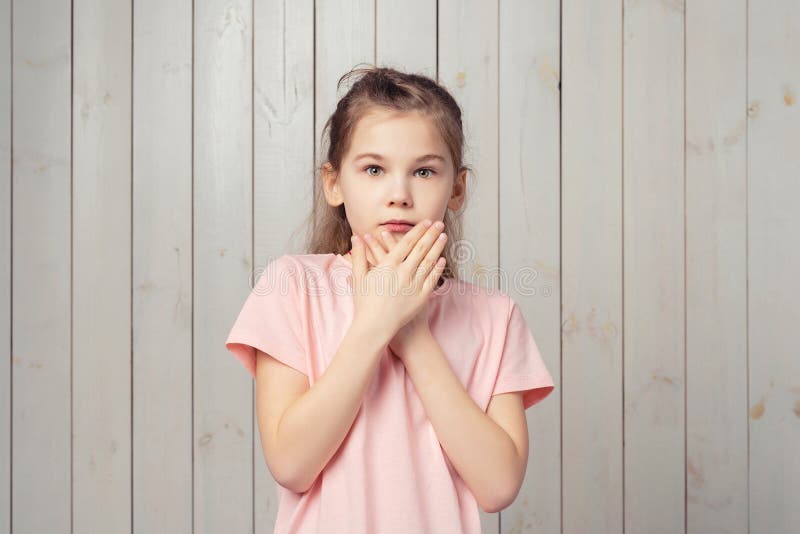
(312, 271)
(303, 262)
(479, 296)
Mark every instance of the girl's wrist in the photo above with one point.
(372, 334)
(411, 343)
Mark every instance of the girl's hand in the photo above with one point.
(418, 326)
(397, 288)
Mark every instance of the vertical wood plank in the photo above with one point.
(283, 126)
(283, 136)
(5, 266)
(653, 267)
(222, 241)
(773, 84)
(162, 267)
(716, 304)
(529, 143)
(405, 36)
(344, 37)
(41, 352)
(591, 234)
(101, 292)
(468, 68)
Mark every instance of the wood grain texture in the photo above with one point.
(41, 284)
(529, 247)
(222, 242)
(5, 266)
(468, 68)
(653, 267)
(101, 261)
(162, 267)
(591, 263)
(773, 167)
(406, 35)
(344, 37)
(716, 268)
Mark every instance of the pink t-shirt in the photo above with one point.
(390, 474)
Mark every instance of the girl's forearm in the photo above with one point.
(313, 427)
(482, 452)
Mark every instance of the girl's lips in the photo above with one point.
(393, 227)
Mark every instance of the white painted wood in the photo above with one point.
(283, 152)
(529, 178)
(283, 126)
(591, 238)
(222, 259)
(716, 268)
(41, 352)
(223, 150)
(162, 267)
(468, 68)
(5, 266)
(101, 259)
(653, 267)
(405, 36)
(344, 37)
(773, 86)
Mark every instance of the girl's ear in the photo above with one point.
(459, 191)
(330, 185)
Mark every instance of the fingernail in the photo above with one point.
(439, 225)
(384, 233)
(427, 223)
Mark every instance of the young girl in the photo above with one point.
(390, 395)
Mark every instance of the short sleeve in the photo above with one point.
(271, 319)
(521, 367)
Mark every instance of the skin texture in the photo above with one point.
(397, 186)
(397, 189)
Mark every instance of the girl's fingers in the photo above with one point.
(423, 246)
(409, 239)
(375, 247)
(428, 262)
(433, 277)
(368, 254)
(388, 240)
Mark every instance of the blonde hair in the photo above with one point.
(327, 228)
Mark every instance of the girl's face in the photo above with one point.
(397, 167)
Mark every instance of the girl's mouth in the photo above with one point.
(394, 227)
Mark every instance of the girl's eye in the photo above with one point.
(430, 172)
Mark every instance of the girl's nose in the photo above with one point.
(400, 192)
(401, 202)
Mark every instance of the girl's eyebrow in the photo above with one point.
(426, 157)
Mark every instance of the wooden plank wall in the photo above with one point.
(638, 160)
